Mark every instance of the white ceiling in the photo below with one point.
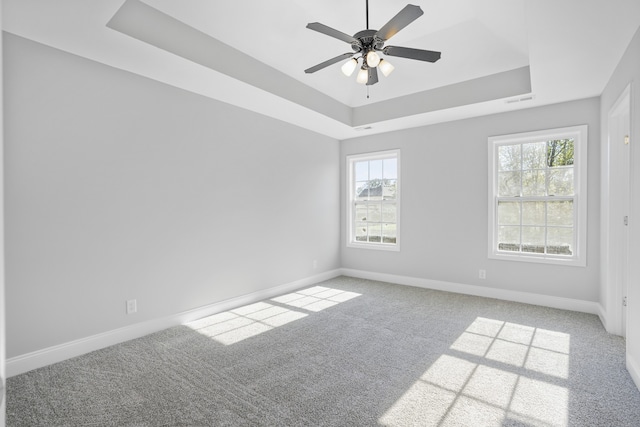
(252, 53)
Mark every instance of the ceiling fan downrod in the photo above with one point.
(367, 10)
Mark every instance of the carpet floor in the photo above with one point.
(347, 352)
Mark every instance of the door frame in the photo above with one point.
(616, 184)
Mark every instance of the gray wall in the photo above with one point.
(444, 204)
(119, 187)
(628, 71)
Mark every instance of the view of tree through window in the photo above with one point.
(374, 203)
(535, 189)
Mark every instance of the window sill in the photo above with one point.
(539, 259)
(374, 246)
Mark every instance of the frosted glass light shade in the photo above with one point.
(372, 59)
(386, 67)
(349, 67)
(363, 76)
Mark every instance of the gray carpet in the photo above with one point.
(347, 352)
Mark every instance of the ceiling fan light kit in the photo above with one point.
(372, 59)
(367, 44)
(363, 76)
(386, 67)
(349, 67)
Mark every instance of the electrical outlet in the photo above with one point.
(132, 306)
(482, 274)
(315, 264)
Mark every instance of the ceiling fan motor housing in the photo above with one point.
(366, 40)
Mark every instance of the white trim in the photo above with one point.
(611, 233)
(480, 291)
(349, 199)
(602, 314)
(634, 369)
(580, 134)
(47, 356)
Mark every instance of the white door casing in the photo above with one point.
(616, 265)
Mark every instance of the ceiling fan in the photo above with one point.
(367, 43)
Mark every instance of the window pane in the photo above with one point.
(560, 240)
(534, 190)
(509, 183)
(361, 213)
(389, 213)
(509, 213)
(533, 239)
(389, 233)
(509, 239)
(560, 152)
(534, 155)
(509, 158)
(561, 182)
(389, 188)
(533, 213)
(560, 213)
(362, 171)
(362, 190)
(375, 189)
(374, 213)
(390, 167)
(375, 233)
(533, 183)
(361, 231)
(375, 169)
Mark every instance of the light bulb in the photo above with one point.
(363, 76)
(349, 67)
(372, 59)
(385, 67)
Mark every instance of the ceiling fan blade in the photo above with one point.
(328, 62)
(321, 28)
(373, 76)
(407, 52)
(405, 17)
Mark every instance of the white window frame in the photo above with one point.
(350, 200)
(579, 135)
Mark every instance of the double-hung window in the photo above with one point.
(373, 194)
(538, 196)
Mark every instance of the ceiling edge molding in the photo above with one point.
(488, 88)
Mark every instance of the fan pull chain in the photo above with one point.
(367, 92)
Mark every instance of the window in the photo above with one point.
(374, 200)
(538, 196)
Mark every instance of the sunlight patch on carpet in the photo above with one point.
(233, 326)
(316, 298)
(481, 381)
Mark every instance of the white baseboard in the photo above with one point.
(37, 359)
(602, 314)
(634, 369)
(481, 291)
(40, 358)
